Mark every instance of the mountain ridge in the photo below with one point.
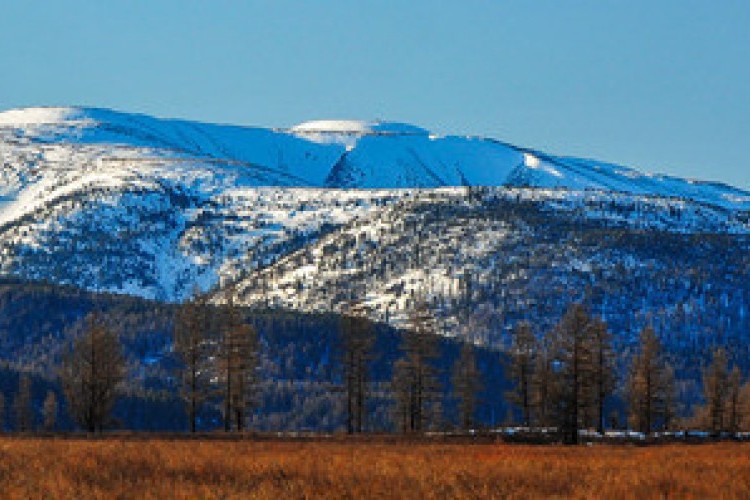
(356, 154)
(381, 211)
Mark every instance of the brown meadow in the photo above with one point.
(163, 468)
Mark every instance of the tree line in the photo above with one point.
(564, 380)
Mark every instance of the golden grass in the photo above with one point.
(157, 468)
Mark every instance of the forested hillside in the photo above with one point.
(300, 384)
(486, 260)
(381, 226)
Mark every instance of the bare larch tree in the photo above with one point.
(22, 405)
(466, 386)
(603, 369)
(545, 385)
(523, 358)
(647, 387)
(91, 374)
(49, 410)
(191, 344)
(733, 409)
(573, 360)
(415, 383)
(715, 390)
(238, 345)
(357, 342)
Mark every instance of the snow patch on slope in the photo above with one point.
(356, 127)
(40, 116)
(347, 133)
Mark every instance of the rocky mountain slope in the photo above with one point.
(386, 214)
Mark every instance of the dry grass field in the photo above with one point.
(159, 468)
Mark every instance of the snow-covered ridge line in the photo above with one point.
(332, 153)
(356, 127)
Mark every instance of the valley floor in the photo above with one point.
(164, 468)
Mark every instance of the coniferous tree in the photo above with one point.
(671, 404)
(733, 409)
(545, 385)
(573, 359)
(603, 368)
(466, 386)
(357, 340)
(49, 411)
(646, 388)
(523, 358)
(715, 385)
(743, 413)
(91, 374)
(23, 406)
(402, 388)
(191, 342)
(415, 383)
(237, 366)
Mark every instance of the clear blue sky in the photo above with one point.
(663, 85)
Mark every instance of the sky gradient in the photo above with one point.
(663, 86)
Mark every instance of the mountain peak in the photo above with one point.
(357, 127)
(335, 153)
(41, 115)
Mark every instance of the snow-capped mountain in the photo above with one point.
(326, 153)
(327, 212)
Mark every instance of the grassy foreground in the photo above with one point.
(122, 468)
